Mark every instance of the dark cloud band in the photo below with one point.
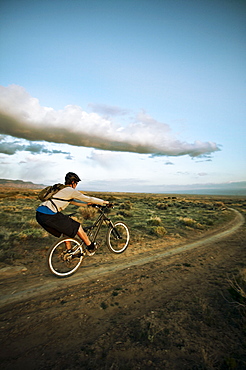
(22, 116)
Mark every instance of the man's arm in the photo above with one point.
(79, 203)
(83, 200)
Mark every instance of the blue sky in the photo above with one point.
(131, 95)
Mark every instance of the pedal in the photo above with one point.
(91, 253)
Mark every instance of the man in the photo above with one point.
(49, 215)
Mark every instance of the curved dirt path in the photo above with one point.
(32, 287)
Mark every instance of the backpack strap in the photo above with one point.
(53, 204)
(63, 200)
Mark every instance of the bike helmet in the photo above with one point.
(70, 177)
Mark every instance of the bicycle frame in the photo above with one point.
(98, 223)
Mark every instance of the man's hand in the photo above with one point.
(110, 205)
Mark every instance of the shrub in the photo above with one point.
(29, 234)
(104, 305)
(7, 255)
(160, 231)
(33, 223)
(238, 287)
(199, 226)
(219, 204)
(163, 205)
(125, 213)
(127, 205)
(4, 237)
(187, 221)
(154, 221)
(88, 213)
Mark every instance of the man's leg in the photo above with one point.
(82, 234)
(90, 246)
(68, 244)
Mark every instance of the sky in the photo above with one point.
(133, 95)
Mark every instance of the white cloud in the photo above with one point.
(22, 116)
(104, 158)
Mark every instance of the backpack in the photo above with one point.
(48, 192)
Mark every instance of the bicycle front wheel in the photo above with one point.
(60, 262)
(118, 237)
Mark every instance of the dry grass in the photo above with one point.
(187, 221)
(149, 216)
(238, 288)
(87, 213)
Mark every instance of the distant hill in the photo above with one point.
(20, 184)
(232, 188)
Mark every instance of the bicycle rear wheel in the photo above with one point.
(118, 237)
(60, 262)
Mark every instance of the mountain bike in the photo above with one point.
(63, 261)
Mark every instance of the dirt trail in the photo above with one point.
(18, 288)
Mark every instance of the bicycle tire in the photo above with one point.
(118, 237)
(62, 264)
